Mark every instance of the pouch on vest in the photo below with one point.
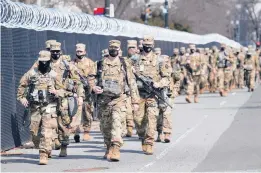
(72, 106)
(111, 88)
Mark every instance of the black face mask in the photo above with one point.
(44, 66)
(222, 49)
(113, 52)
(55, 56)
(192, 51)
(80, 56)
(147, 49)
(248, 56)
(141, 50)
(181, 53)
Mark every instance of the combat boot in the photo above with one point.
(86, 136)
(225, 93)
(202, 91)
(221, 92)
(108, 152)
(252, 89)
(195, 99)
(167, 137)
(160, 137)
(77, 138)
(115, 154)
(49, 154)
(63, 152)
(143, 145)
(149, 150)
(43, 160)
(188, 99)
(57, 144)
(129, 131)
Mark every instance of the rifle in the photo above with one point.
(148, 87)
(97, 96)
(29, 97)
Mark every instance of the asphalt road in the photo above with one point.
(218, 134)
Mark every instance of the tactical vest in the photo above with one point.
(113, 78)
(249, 63)
(148, 67)
(41, 85)
(221, 62)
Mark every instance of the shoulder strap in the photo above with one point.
(123, 63)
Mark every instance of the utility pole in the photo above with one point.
(166, 14)
(107, 8)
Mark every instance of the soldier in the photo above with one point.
(194, 72)
(67, 79)
(87, 70)
(213, 70)
(115, 81)
(149, 67)
(251, 66)
(164, 122)
(224, 63)
(204, 69)
(181, 62)
(131, 58)
(41, 82)
(239, 72)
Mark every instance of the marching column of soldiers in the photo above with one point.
(136, 91)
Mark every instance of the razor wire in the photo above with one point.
(20, 15)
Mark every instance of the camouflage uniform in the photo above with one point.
(204, 69)
(164, 121)
(224, 64)
(194, 75)
(66, 79)
(182, 61)
(115, 80)
(43, 111)
(213, 70)
(129, 113)
(87, 69)
(146, 117)
(251, 66)
(239, 72)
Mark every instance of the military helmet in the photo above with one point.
(182, 49)
(115, 43)
(44, 56)
(48, 43)
(80, 47)
(132, 43)
(176, 50)
(192, 46)
(148, 39)
(55, 46)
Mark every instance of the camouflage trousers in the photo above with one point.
(183, 76)
(193, 84)
(47, 124)
(146, 119)
(64, 121)
(224, 77)
(250, 79)
(113, 116)
(129, 113)
(164, 122)
(239, 77)
(212, 81)
(87, 112)
(204, 77)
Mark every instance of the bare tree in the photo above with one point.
(254, 16)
